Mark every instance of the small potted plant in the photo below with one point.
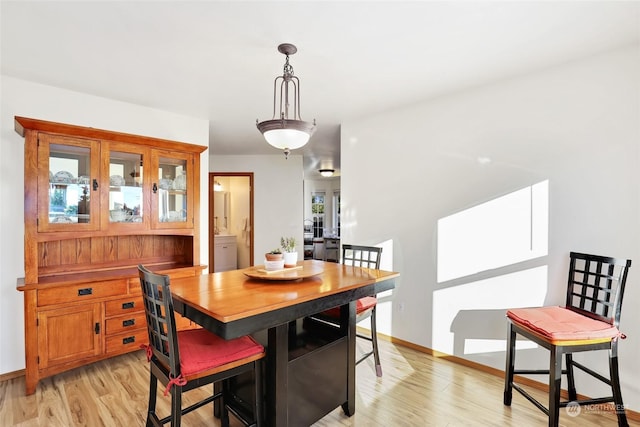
(290, 255)
(274, 255)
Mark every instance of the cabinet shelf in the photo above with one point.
(307, 342)
(318, 353)
(120, 187)
(126, 272)
(66, 184)
(176, 192)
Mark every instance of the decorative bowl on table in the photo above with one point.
(166, 183)
(117, 215)
(61, 220)
(116, 180)
(273, 265)
(63, 177)
(180, 183)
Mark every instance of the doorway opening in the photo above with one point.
(230, 220)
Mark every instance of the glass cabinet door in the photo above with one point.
(171, 186)
(126, 199)
(68, 195)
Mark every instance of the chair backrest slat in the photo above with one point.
(596, 286)
(361, 256)
(161, 326)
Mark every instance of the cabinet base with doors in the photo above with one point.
(225, 253)
(97, 204)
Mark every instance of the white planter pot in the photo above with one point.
(290, 259)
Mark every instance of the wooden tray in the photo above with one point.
(293, 273)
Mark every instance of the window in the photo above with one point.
(317, 210)
(336, 212)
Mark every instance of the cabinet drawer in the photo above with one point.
(186, 272)
(125, 323)
(134, 283)
(81, 292)
(124, 342)
(123, 306)
(134, 286)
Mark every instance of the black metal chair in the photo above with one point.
(368, 257)
(588, 321)
(185, 360)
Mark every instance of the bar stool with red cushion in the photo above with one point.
(588, 321)
(368, 257)
(185, 360)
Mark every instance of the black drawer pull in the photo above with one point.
(129, 322)
(127, 305)
(85, 291)
(128, 340)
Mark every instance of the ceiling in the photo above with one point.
(217, 59)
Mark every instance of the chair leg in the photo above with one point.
(508, 372)
(176, 405)
(153, 393)
(571, 384)
(224, 400)
(259, 393)
(374, 342)
(555, 379)
(615, 385)
(217, 388)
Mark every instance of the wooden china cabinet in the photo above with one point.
(98, 203)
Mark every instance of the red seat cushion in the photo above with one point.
(363, 304)
(562, 324)
(201, 350)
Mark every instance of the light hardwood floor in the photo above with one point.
(416, 390)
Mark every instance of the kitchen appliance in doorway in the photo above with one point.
(308, 239)
(318, 248)
(332, 249)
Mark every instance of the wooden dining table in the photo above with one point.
(309, 371)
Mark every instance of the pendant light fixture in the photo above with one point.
(287, 131)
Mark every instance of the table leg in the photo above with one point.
(217, 388)
(277, 359)
(348, 326)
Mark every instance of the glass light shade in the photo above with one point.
(326, 172)
(286, 138)
(285, 133)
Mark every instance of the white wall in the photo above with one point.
(576, 125)
(277, 196)
(22, 98)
